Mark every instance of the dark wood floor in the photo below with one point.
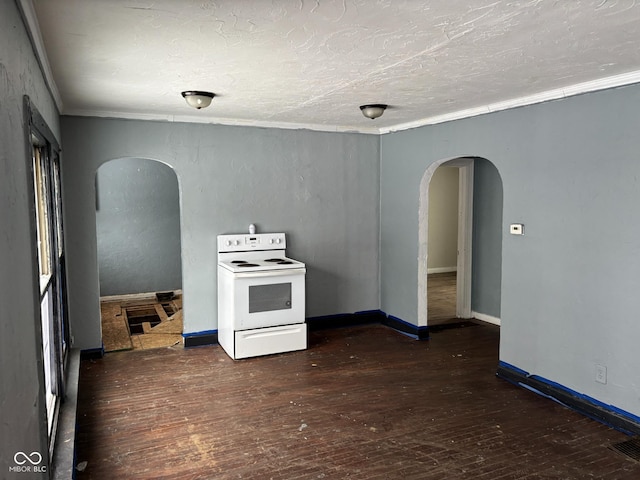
(441, 298)
(361, 403)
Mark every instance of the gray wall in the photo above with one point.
(322, 189)
(571, 174)
(486, 265)
(22, 415)
(138, 227)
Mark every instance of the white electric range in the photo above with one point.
(261, 296)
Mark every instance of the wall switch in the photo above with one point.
(516, 229)
(601, 374)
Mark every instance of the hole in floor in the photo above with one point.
(141, 323)
(169, 308)
(137, 316)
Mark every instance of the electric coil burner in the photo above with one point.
(261, 296)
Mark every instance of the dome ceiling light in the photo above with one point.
(373, 111)
(198, 99)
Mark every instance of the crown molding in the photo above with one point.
(546, 96)
(221, 121)
(614, 81)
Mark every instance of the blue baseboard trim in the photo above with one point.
(420, 333)
(367, 317)
(198, 339)
(92, 353)
(608, 414)
(344, 320)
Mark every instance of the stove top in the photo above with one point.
(251, 263)
(254, 252)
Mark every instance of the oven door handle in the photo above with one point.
(271, 273)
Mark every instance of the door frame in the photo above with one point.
(465, 236)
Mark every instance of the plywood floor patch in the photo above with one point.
(116, 333)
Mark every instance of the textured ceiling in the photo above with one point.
(310, 64)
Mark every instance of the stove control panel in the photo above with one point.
(247, 242)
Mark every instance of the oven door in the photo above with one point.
(268, 298)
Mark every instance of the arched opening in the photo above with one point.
(478, 264)
(139, 254)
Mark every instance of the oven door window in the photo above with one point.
(266, 298)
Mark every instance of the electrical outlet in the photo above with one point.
(601, 374)
(516, 229)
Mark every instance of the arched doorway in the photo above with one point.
(139, 254)
(479, 240)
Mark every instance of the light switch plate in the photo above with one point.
(516, 229)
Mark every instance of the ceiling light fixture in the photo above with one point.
(198, 99)
(373, 111)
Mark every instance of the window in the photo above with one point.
(51, 282)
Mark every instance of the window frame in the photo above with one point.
(50, 282)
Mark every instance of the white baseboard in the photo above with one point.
(441, 270)
(486, 318)
(129, 297)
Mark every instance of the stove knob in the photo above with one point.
(271, 240)
(236, 243)
(278, 240)
(228, 243)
